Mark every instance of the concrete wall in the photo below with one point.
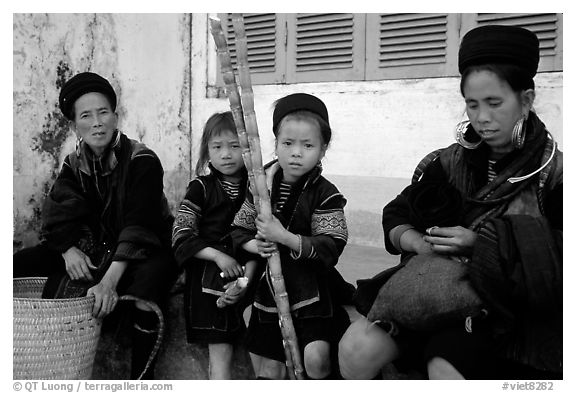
(164, 67)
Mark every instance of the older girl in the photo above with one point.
(309, 229)
(199, 239)
(508, 171)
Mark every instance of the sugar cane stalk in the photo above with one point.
(234, 99)
(274, 264)
(250, 141)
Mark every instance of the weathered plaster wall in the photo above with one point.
(145, 57)
(164, 67)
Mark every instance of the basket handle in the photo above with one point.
(160, 337)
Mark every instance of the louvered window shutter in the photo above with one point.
(325, 47)
(410, 45)
(266, 54)
(548, 28)
(294, 48)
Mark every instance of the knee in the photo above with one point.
(317, 359)
(364, 349)
(353, 353)
(439, 368)
(271, 369)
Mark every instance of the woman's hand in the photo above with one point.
(230, 268)
(105, 299)
(270, 229)
(422, 247)
(78, 264)
(411, 240)
(451, 240)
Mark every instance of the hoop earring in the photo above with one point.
(78, 146)
(460, 131)
(519, 133)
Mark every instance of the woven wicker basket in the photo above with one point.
(53, 338)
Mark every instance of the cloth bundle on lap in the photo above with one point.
(427, 293)
(430, 204)
(424, 291)
(433, 204)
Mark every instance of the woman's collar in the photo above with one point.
(108, 159)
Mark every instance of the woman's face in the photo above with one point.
(493, 109)
(94, 121)
(225, 153)
(299, 148)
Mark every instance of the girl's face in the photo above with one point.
(299, 147)
(94, 121)
(493, 109)
(225, 153)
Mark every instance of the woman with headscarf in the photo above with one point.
(507, 171)
(106, 225)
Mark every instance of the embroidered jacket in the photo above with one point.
(115, 202)
(315, 210)
(204, 220)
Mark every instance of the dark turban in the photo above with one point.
(496, 44)
(80, 84)
(298, 102)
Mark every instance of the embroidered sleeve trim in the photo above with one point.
(330, 222)
(246, 216)
(186, 223)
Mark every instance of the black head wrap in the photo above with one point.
(496, 44)
(80, 84)
(298, 102)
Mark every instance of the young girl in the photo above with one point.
(199, 242)
(309, 229)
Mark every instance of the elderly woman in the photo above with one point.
(106, 223)
(508, 172)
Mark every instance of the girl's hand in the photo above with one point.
(230, 268)
(270, 229)
(229, 299)
(451, 240)
(265, 248)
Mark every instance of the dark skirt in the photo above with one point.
(205, 322)
(264, 338)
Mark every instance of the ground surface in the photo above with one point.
(179, 360)
(364, 262)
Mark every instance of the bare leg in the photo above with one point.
(439, 368)
(256, 362)
(270, 369)
(220, 360)
(364, 349)
(317, 359)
